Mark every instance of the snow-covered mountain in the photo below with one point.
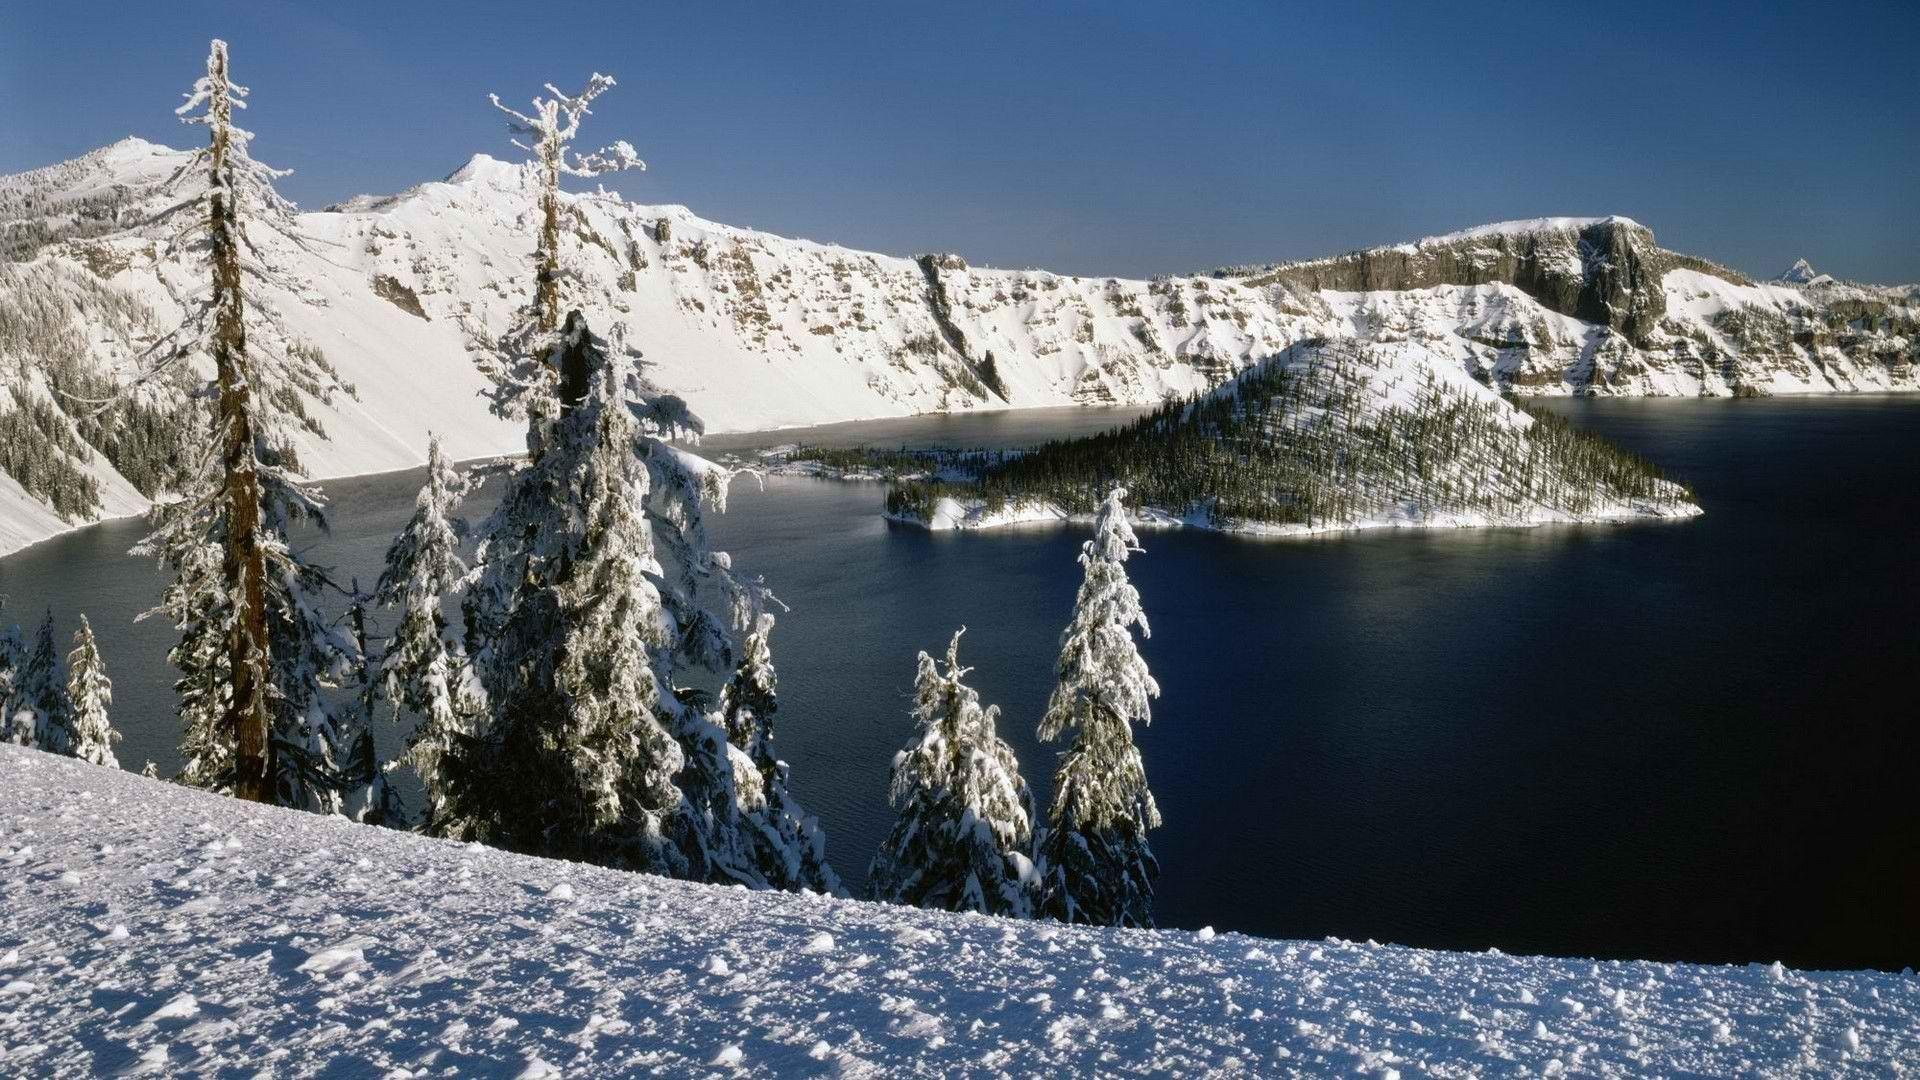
(155, 929)
(1803, 273)
(401, 292)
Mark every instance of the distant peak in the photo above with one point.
(486, 169)
(133, 148)
(1802, 273)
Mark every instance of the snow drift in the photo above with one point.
(153, 928)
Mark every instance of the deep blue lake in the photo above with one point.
(1692, 740)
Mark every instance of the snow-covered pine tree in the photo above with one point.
(198, 605)
(788, 846)
(89, 735)
(965, 829)
(41, 708)
(569, 640)
(419, 669)
(256, 654)
(526, 383)
(1095, 864)
(16, 723)
(716, 825)
(727, 801)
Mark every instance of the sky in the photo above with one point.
(1112, 138)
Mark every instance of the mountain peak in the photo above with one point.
(489, 170)
(1802, 273)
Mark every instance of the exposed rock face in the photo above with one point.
(1648, 320)
(987, 371)
(389, 289)
(1607, 272)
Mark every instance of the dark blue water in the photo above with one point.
(1679, 741)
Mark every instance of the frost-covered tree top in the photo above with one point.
(526, 381)
(966, 817)
(554, 123)
(222, 191)
(1097, 866)
(1101, 675)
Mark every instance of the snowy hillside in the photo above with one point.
(400, 293)
(151, 928)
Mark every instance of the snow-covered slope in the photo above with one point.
(759, 331)
(152, 928)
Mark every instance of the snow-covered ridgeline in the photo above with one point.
(759, 331)
(153, 926)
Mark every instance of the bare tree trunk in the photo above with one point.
(546, 279)
(244, 566)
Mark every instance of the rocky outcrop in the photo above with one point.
(987, 370)
(1606, 271)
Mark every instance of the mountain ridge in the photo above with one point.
(757, 331)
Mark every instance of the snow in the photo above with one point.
(758, 331)
(451, 958)
(1520, 227)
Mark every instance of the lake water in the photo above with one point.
(1690, 740)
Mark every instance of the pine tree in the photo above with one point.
(788, 847)
(1096, 866)
(724, 822)
(256, 655)
(42, 712)
(568, 636)
(244, 570)
(419, 669)
(966, 817)
(89, 735)
(16, 722)
(526, 381)
(198, 606)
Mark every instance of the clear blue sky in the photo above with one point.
(1109, 138)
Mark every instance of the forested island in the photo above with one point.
(1328, 435)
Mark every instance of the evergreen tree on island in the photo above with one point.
(1095, 863)
(256, 656)
(966, 817)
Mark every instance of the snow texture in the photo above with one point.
(158, 929)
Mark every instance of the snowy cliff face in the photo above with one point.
(1593, 305)
(401, 292)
